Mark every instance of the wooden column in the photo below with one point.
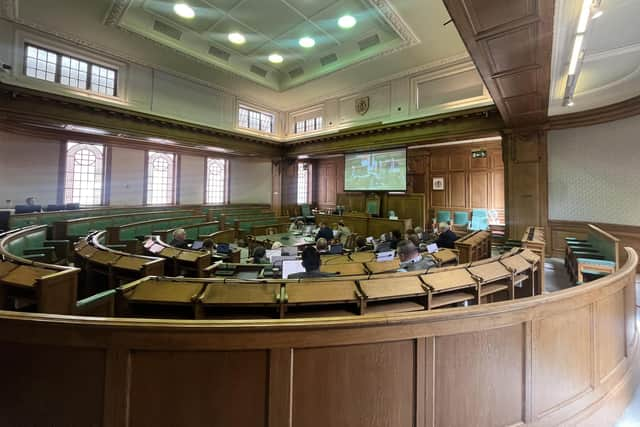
(525, 160)
(276, 186)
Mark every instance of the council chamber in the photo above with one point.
(301, 213)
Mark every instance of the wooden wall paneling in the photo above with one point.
(352, 202)
(562, 359)
(458, 190)
(479, 190)
(459, 161)
(490, 365)
(276, 185)
(510, 42)
(526, 181)
(379, 378)
(610, 316)
(406, 206)
(180, 383)
(78, 374)
(280, 376)
(496, 186)
(440, 162)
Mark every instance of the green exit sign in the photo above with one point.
(479, 154)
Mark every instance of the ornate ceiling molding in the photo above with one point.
(395, 21)
(116, 12)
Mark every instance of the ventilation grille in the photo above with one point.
(167, 30)
(296, 72)
(369, 42)
(325, 60)
(219, 53)
(259, 71)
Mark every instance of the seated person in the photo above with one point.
(325, 232)
(343, 232)
(322, 246)
(413, 238)
(276, 245)
(410, 258)
(208, 246)
(420, 232)
(396, 236)
(260, 256)
(384, 245)
(446, 237)
(179, 239)
(362, 245)
(311, 264)
(296, 226)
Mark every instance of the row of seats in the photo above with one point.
(501, 278)
(198, 231)
(593, 257)
(139, 229)
(478, 219)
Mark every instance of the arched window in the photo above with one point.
(84, 179)
(160, 178)
(216, 181)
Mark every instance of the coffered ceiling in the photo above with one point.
(270, 27)
(610, 69)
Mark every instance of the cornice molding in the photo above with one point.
(395, 21)
(116, 12)
(9, 9)
(608, 113)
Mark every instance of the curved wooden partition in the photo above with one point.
(569, 357)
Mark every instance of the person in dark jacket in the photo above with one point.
(180, 239)
(311, 264)
(396, 236)
(446, 237)
(325, 232)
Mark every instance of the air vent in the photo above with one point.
(167, 30)
(328, 59)
(296, 72)
(259, 71)
(369, 42)
(219, 53)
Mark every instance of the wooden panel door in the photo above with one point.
(479, 189)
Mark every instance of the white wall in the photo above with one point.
(191, 180)
(28, 167)
(249, 181)
(127, 176)
(594, 173)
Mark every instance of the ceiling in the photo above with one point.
(412, 38)
(610, 70)
(270, 27)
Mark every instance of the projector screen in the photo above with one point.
(376, 171)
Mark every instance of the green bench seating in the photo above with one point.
(216, 212)
(135, 230)
(193, 230)
(75, 228)
(596, 256)
(34, 245)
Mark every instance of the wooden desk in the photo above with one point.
(365, 225)
(376, 267)
(446, 288)
(474, 246)
(385, 289)
(351, 269)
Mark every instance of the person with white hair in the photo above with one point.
(446, 237)
(179, 239)
(276, 245)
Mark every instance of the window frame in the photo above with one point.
(307, 199)
(147, 180)
(64, 171)
(225, 195)
(304, 122)
(58, 73)
(261, 113)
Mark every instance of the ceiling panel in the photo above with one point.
(206, 16)
(310, 7)
(228, 25)
(367, 20)
(597, 74)
(225, 5)
(270, 18)
(621, 16)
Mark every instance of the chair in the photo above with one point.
(443, 216)
(307, 216)
(461, 218)
(479, 219)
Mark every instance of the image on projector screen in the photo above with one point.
(376, 171)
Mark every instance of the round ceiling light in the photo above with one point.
(276, 58)
(307, 42)
(347, 21)
(183, 10)
(236, 38)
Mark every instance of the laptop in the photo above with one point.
(385, 256)
(432, 248)
(290, 267)
(270, 253)
(277, 261)
(197, 245)
(336, 249)
(223, 248)
(289, 251)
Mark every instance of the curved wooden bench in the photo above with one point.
(180, 262)
(132, 231)
(194, 231)
(569, 357)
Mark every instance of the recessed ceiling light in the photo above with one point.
(307, 42)
(276, 58)
(597, 13)
(183, 10)
(347, 21)
(236, 38)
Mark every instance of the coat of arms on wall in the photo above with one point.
(362, 105)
